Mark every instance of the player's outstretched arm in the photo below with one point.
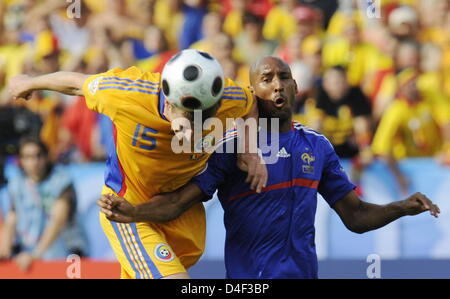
(160, 208)
(360, 217)
(22, 86)
(250, 161)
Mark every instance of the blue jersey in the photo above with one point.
(271, 234)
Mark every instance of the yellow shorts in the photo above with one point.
(155, 250)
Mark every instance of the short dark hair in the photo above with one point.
(33, 140)
(250, 18)
(207, 113)
(339, 68)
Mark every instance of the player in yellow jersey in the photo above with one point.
(141, 163)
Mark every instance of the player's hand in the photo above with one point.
(254, 165)
(117, 209)
(419, 203)
(19, 87)
(24, 261)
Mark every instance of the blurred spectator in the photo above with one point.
(158, 49)
(280, 23)
(326, 7)
(374, 85)
(307, 72)
(446, 57)
(311, 55)
(308, 20)
(169, 17)
(49, 107)
(347, 10)
(414, 125)
(142, 11)
(406, 55)
(194, 12)
(15, 122)
(307, 25)
(352, 52)
(223, 50)
(234, 11)
(251, 43)
(233, 23)
(212, 25)
(431, 79)
(344, 117)
(41, 223)
(74, 35)
(13, 55)
(404, 23)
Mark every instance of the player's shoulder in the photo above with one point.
(234, 91)
(311, 135)
(133, 74)
(119, 81)
(236, 100)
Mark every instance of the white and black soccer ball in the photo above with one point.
(164, 252)
(193, 80)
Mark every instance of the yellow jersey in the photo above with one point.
(141, 162)
(411, 129)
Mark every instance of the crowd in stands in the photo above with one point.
(373, 75)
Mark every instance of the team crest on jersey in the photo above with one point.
(308, 159)
(93, 86)
(164, 253)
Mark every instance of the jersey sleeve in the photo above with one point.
(334, 183)
(60, 181)
(108, 91)
(440, 108)
(387, 129)
(237, 101)
(218, 168)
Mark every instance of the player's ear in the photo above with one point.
(168, 106)
(252, 90)
(168, 109)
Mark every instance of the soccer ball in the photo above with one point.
(193, 80)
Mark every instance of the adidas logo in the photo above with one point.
(283, 153)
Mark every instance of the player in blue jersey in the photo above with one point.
(271, 234)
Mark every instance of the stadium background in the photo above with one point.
(38, 37)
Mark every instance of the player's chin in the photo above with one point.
(283, 114)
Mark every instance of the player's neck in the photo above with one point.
(286, 125)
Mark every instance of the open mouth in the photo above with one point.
(279, 102)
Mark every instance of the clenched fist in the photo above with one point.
(19, 87)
